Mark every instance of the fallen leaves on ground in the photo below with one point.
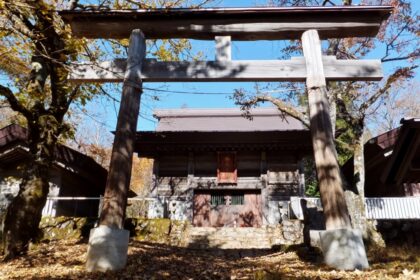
(65, 260)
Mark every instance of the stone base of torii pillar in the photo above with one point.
(107, 249)
(344, 249)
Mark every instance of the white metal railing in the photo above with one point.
(75, 205)
(377, 208)
(388, 208)
(71, 206)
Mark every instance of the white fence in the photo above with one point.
(77, 206)
(377, 208)
(71, 206)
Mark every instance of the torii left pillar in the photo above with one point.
(108, 243)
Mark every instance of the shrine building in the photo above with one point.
(216, 168)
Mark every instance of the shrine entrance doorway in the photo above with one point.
(227, 208)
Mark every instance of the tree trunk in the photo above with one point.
(24, 213)
(356, 197)
(333, 111)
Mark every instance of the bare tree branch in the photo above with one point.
(14, 102)
(71, 97)
(391, 42)
(402, 72)
(282, 106)
(414, 54)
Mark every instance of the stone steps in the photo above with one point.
(229, 238)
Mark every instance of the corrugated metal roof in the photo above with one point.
(232, 119)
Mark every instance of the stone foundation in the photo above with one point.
(58, 228)
(291, 232)
(163, 231)
(228, 238)
(288, 233)
(182, 233)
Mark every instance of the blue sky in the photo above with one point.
(170, 95)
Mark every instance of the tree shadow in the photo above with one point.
(159, 261)
(148, 260)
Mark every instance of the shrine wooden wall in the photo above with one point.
(274, 175)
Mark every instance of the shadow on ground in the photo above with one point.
(153, 261)
(65, 260)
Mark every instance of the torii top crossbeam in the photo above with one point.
(240, 23)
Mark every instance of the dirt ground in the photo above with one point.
(65, 260)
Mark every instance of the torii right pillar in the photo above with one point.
(342, 246)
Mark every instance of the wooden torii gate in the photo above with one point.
(343, 247)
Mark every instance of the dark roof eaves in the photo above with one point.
(212, 112)
(410, 121)
(219, 131)
(67, 14)
(16, 140)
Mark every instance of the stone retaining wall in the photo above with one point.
(288, 233)
(159, 230)
(182, 233)
(57, 228)
(153, 230)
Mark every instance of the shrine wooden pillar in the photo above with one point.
(118, 182)
(342, 246)
(328, 170)
(108, 243)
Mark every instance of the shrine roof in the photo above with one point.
(227, 119)
(181, 130)
(152, 143)
(262, 23)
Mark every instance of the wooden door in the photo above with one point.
(201, 210)
(227, 209)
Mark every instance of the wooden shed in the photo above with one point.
(392, 162)
(73, 175)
